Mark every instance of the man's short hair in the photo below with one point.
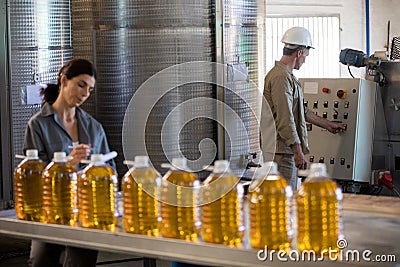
(290, 50)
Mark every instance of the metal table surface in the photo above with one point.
(371, 223)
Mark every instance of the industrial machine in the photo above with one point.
(370, 110)
(351, 102)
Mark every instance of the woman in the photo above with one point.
(62, 126)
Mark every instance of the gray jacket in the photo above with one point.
(46, 133)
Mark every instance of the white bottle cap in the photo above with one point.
(221, 166)
(267, 168)
(32, 154)
(271, 167)
(180, 163)
(141, 161)
(318, 170)
(60, 157)
(96, 158)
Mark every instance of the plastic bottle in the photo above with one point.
(270, 211)
(319, 212)
(60, 191)
(98, 194)
(140, 198)
(222, 213)
(178, 202)
(28, 187)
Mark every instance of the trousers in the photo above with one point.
(52, 255)
(287, 168)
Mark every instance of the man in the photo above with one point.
(284, 95)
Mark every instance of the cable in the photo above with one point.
(348, 67)
(397, 192)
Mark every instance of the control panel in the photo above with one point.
(350, 102)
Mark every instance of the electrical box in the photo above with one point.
(350, 102)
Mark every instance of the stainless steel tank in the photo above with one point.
(40, 44)
(130, 41)
(243, 38)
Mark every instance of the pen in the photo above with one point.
(72, 147)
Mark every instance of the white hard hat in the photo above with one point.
(297, 36)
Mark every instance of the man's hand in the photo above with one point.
(331, 126)
(299, 159)
(335, 127)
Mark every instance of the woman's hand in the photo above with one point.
(80, 152)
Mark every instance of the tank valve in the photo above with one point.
(250, 158)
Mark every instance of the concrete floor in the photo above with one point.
(15, 253)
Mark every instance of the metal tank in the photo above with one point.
(129, 41)
(40, 44)
(243, 41)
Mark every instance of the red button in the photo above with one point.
(325, 90)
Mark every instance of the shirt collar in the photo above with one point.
(48, 110)
(283, 66)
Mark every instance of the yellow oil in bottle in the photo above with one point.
(179, 216)
(140, 198)
(60, 191)
(221, 200)
(28, 187)
(97, 195)
(269, 199)
(318, 212)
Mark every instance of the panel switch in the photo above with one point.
(341, 93)
(336, 104)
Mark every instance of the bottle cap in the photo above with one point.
(96, 158)
(221, 166)
(141, 161)
(267, 168)
(271, 167)
(318, 170)
(32, 154)
(60, 157)
(180, 163)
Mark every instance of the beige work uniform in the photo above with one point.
(284, 95)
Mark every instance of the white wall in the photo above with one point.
(381, 11)
(352, 20)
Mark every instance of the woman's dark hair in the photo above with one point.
(73, 68)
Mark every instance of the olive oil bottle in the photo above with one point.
(97, 195)
(179, 216)
(221, 197)
(28, 187)
(269, 199)
(140, 198)
(60, 191)
(319, 212)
